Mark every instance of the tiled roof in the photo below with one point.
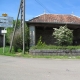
(56, 18)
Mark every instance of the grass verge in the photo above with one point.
(27, 55)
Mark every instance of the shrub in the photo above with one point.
(9, 35)
(63, 35)
(10, 31)
(40, 44)
(19, 50)
(18, 40)
(17, 43)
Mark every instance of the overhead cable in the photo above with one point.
(42, 5)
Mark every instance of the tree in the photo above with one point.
(18, 39)
(63, 35)
(18, 23)
(8, 35)
(10, 31)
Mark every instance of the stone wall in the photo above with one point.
(55, 52)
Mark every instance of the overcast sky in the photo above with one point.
(38, 7)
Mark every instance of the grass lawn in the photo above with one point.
(27, 55)
(6, 51)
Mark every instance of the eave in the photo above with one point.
(66, 23)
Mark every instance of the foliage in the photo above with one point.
(18, 23)
(6, 51)
(63, 35)
(10, 31)
(27, 38)
(27, 55)
(17, 43)
(55, 47)
(19, 50)
(40, 43)
(9, 35)
(18, 39)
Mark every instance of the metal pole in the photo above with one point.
(3, 42)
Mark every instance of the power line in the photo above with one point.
(42, 5)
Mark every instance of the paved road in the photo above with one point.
(14, 68)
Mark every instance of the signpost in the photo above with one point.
(5, 22)
(4, 32)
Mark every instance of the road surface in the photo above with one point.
(16, 68)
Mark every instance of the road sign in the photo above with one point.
(6, 25)
(3, 31)
(6, 21)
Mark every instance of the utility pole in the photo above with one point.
(22, 9)
(23, 22)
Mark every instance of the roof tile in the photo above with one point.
(58, 18)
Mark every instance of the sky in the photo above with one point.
(35, 8)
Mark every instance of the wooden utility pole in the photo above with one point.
(22, 10)
(23, 22)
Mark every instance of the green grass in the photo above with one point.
(51, 57)
(27, 55)
(6, 51)
(55, 47)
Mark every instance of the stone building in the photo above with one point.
(43, 25)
